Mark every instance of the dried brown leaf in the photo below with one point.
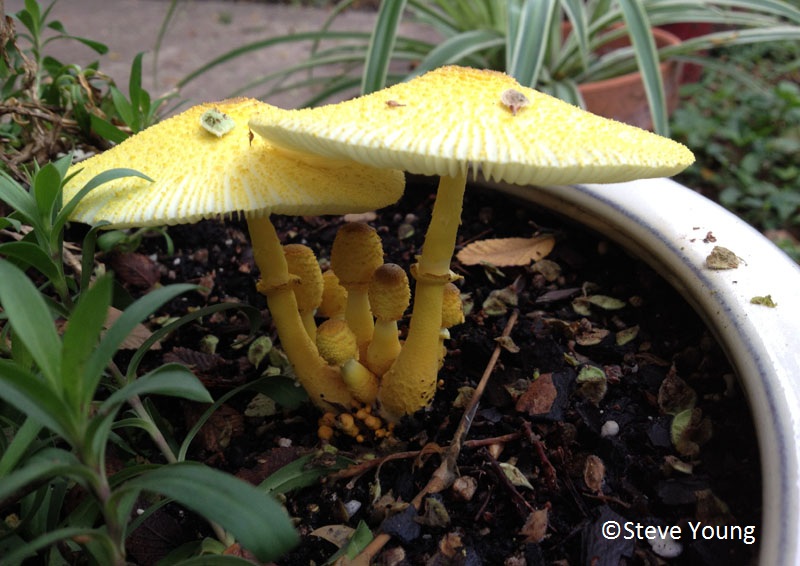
(539, 397)
(507, 251)
(136, 338)
(535, 528)
(135, 269)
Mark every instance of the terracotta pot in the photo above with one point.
(623, 98)
(667, 225)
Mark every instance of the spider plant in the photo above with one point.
(525, 38)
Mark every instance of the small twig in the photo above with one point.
(365, 466)
(445, 474)
(549, 470)
(515, 494)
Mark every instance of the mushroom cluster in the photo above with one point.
(447, 122)
(344, 158)
(204, 163)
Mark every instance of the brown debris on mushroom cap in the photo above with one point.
(197, 175)
(454, 118)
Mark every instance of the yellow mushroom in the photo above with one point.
(389, 296)
(334, 297)
(445, 123)
(356, 253)
(452, 315)
(337, 344)
(199, 174)
(303, 264)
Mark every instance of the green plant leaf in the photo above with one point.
(170, 379)
(257, 521)
(646, 53)
(125, 324)
(104, 177)
(48, 463)
(300, 473)
(45, 188)
(80, 340)
(381, 45)
(37, 400)
(34, 256)
(107, 130)
(45, 540)
(31, 321)
(456, 49)
(526, 51)
(24, 437)
(19, 199)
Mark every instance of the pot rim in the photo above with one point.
(668, 226)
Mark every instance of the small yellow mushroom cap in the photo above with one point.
(336, 342)
(334, 296)
(302, 262)
(197, 174)
(452, 307)
(455, 118)
(389, 293)
(357, 252)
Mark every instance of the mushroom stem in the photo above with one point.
(322, 382)
(410, 383)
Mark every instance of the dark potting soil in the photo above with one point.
(576, 429)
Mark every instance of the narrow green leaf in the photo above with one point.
(125, 324)
(528, 51)
(255, 46)
(174, 380)
(135, 87)
(19, 199)
(31, 321)
(34, 256)
(24, 436)
(647, 58)
(34, 398)
(49, 463)
(455, 49)
(576, 14)
(107, 130)
(300, 473)
(45, 189)
(104, 177)
(254, 518)
(381, 45)
(45, 540)
(122, 106)
(80, 340)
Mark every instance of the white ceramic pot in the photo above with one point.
(666, 225)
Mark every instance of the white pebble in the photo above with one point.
(609, 428)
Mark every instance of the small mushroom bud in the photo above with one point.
(452, 314)
(337, 344)
(389, 296)
(356, 254)
(302, 263)
(334, 297)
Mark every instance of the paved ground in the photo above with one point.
(201, 30)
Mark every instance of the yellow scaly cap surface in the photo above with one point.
(455, 118)
(199, 175)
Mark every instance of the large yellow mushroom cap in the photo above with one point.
(454, 118)
(197, 174)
